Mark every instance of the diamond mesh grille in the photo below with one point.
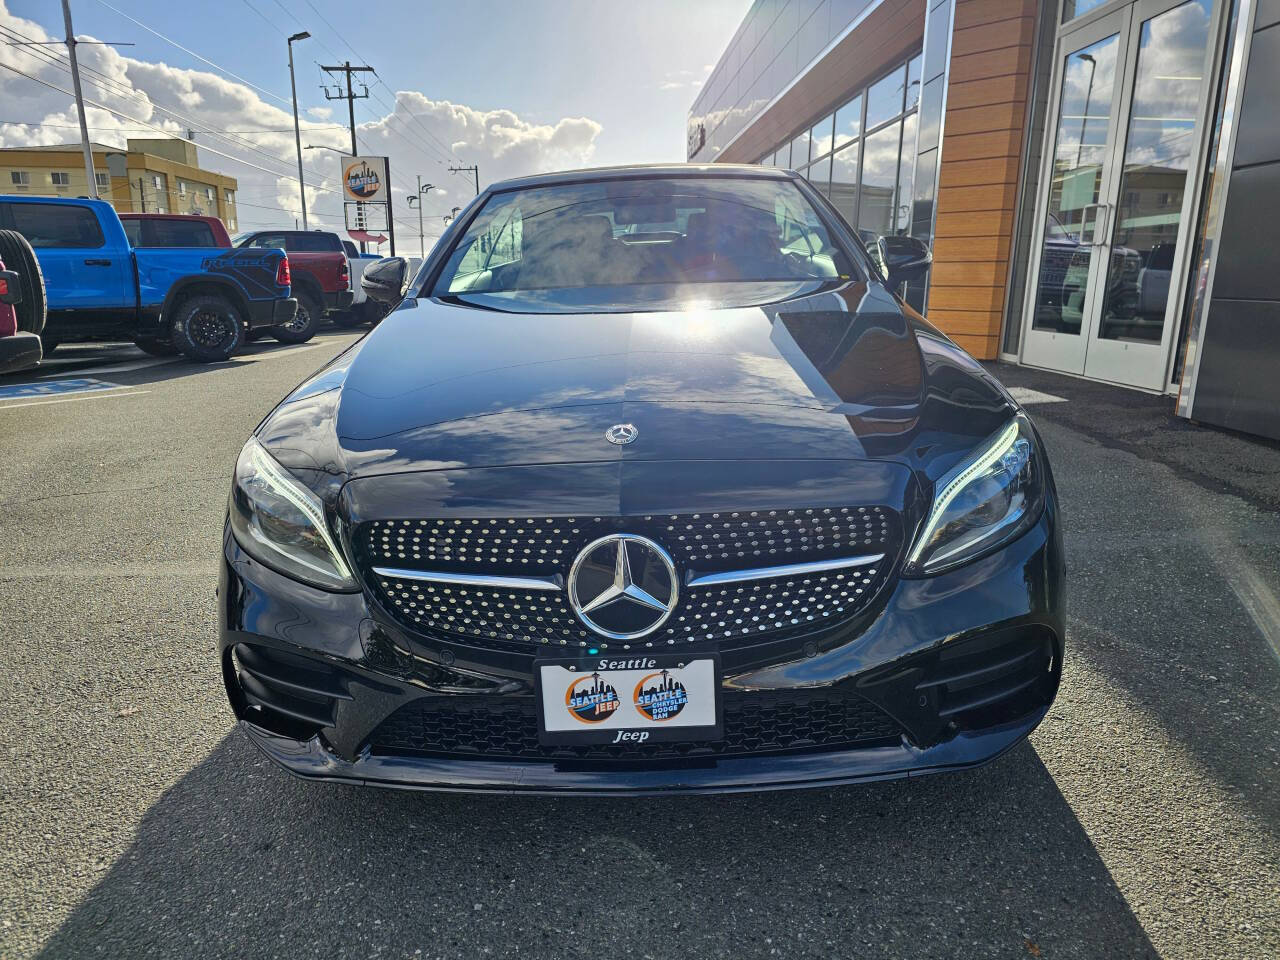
(710, 541)
(730, 615)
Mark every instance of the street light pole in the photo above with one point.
(75, 83)
(297, 130)
(416, 201)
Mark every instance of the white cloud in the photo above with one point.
(419, 135)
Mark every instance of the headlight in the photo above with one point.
(280, 522)
(987, 500)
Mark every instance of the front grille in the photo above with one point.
(705, 541)
(729, 615)
(755, 723)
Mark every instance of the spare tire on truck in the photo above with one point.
(18, 256)
(205, 327)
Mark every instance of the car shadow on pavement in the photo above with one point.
(240, 859)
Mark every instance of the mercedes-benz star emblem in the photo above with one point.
(621, 433)
(623, 586)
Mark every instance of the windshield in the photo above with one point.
(639, 238)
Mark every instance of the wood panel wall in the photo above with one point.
(987, 89)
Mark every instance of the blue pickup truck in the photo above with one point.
(199, 301)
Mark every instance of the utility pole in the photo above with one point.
(75, 83)
(473, 169)
(142, 195)
(297, 132)
(350, 96)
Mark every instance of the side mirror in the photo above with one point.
(385, 280)
(903, 259)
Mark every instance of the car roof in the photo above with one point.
(588, 174)
(133, 215)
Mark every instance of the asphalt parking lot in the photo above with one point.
(1142, 819)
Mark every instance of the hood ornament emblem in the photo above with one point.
(623, 586)
(621, 433)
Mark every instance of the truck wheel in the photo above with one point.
(304, 323)
(348, 319)
(206, 328)
(372, 312)
(156, 347)
(17, 255)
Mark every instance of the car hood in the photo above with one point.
(846, 374)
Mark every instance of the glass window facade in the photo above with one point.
(863, 160)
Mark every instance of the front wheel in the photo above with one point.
(156, 347)
(206, 329)
(304, 323)
(349, 319)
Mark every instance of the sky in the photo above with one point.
(514, 87)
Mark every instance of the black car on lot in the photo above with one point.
(650, 483)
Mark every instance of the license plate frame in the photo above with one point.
(632, 722)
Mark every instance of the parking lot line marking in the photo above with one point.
(274, 354)
(131, 365)
(1025, 395)
(27, 391)
(97, 395)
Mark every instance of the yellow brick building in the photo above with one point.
(149, 176)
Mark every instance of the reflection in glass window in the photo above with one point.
(906, 168)
(820, 138)
(800, 150)
(844, 182)
(848, 122)
(1157, 159)
(885, 98)
(819, 174)
(879, 177)
(913, 83)
(1074, 8)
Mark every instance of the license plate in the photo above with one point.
(628, 700)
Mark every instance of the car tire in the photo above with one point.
(372, 312)
(156, 347)
(304, 323)
(348, 319)
(206, 328)
(18, 256)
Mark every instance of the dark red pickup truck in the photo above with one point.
(174, 230)
(321, 277)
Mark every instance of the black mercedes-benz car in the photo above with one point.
(650, 483)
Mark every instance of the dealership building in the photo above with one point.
(1099, 180)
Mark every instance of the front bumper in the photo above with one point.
(271, 313)
(19, 351)
(964, 626)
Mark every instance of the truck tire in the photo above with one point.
(156, 347)
(348, 319)
(206, 328)
(304, 323)
(17, 255)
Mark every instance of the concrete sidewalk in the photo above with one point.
(1145, 425)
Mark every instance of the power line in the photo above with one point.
(111, 86)
(192, 53)
(167, 133)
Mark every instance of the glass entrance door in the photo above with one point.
(1121, 191)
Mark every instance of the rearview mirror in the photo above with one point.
(903, 259)
(385, 280)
